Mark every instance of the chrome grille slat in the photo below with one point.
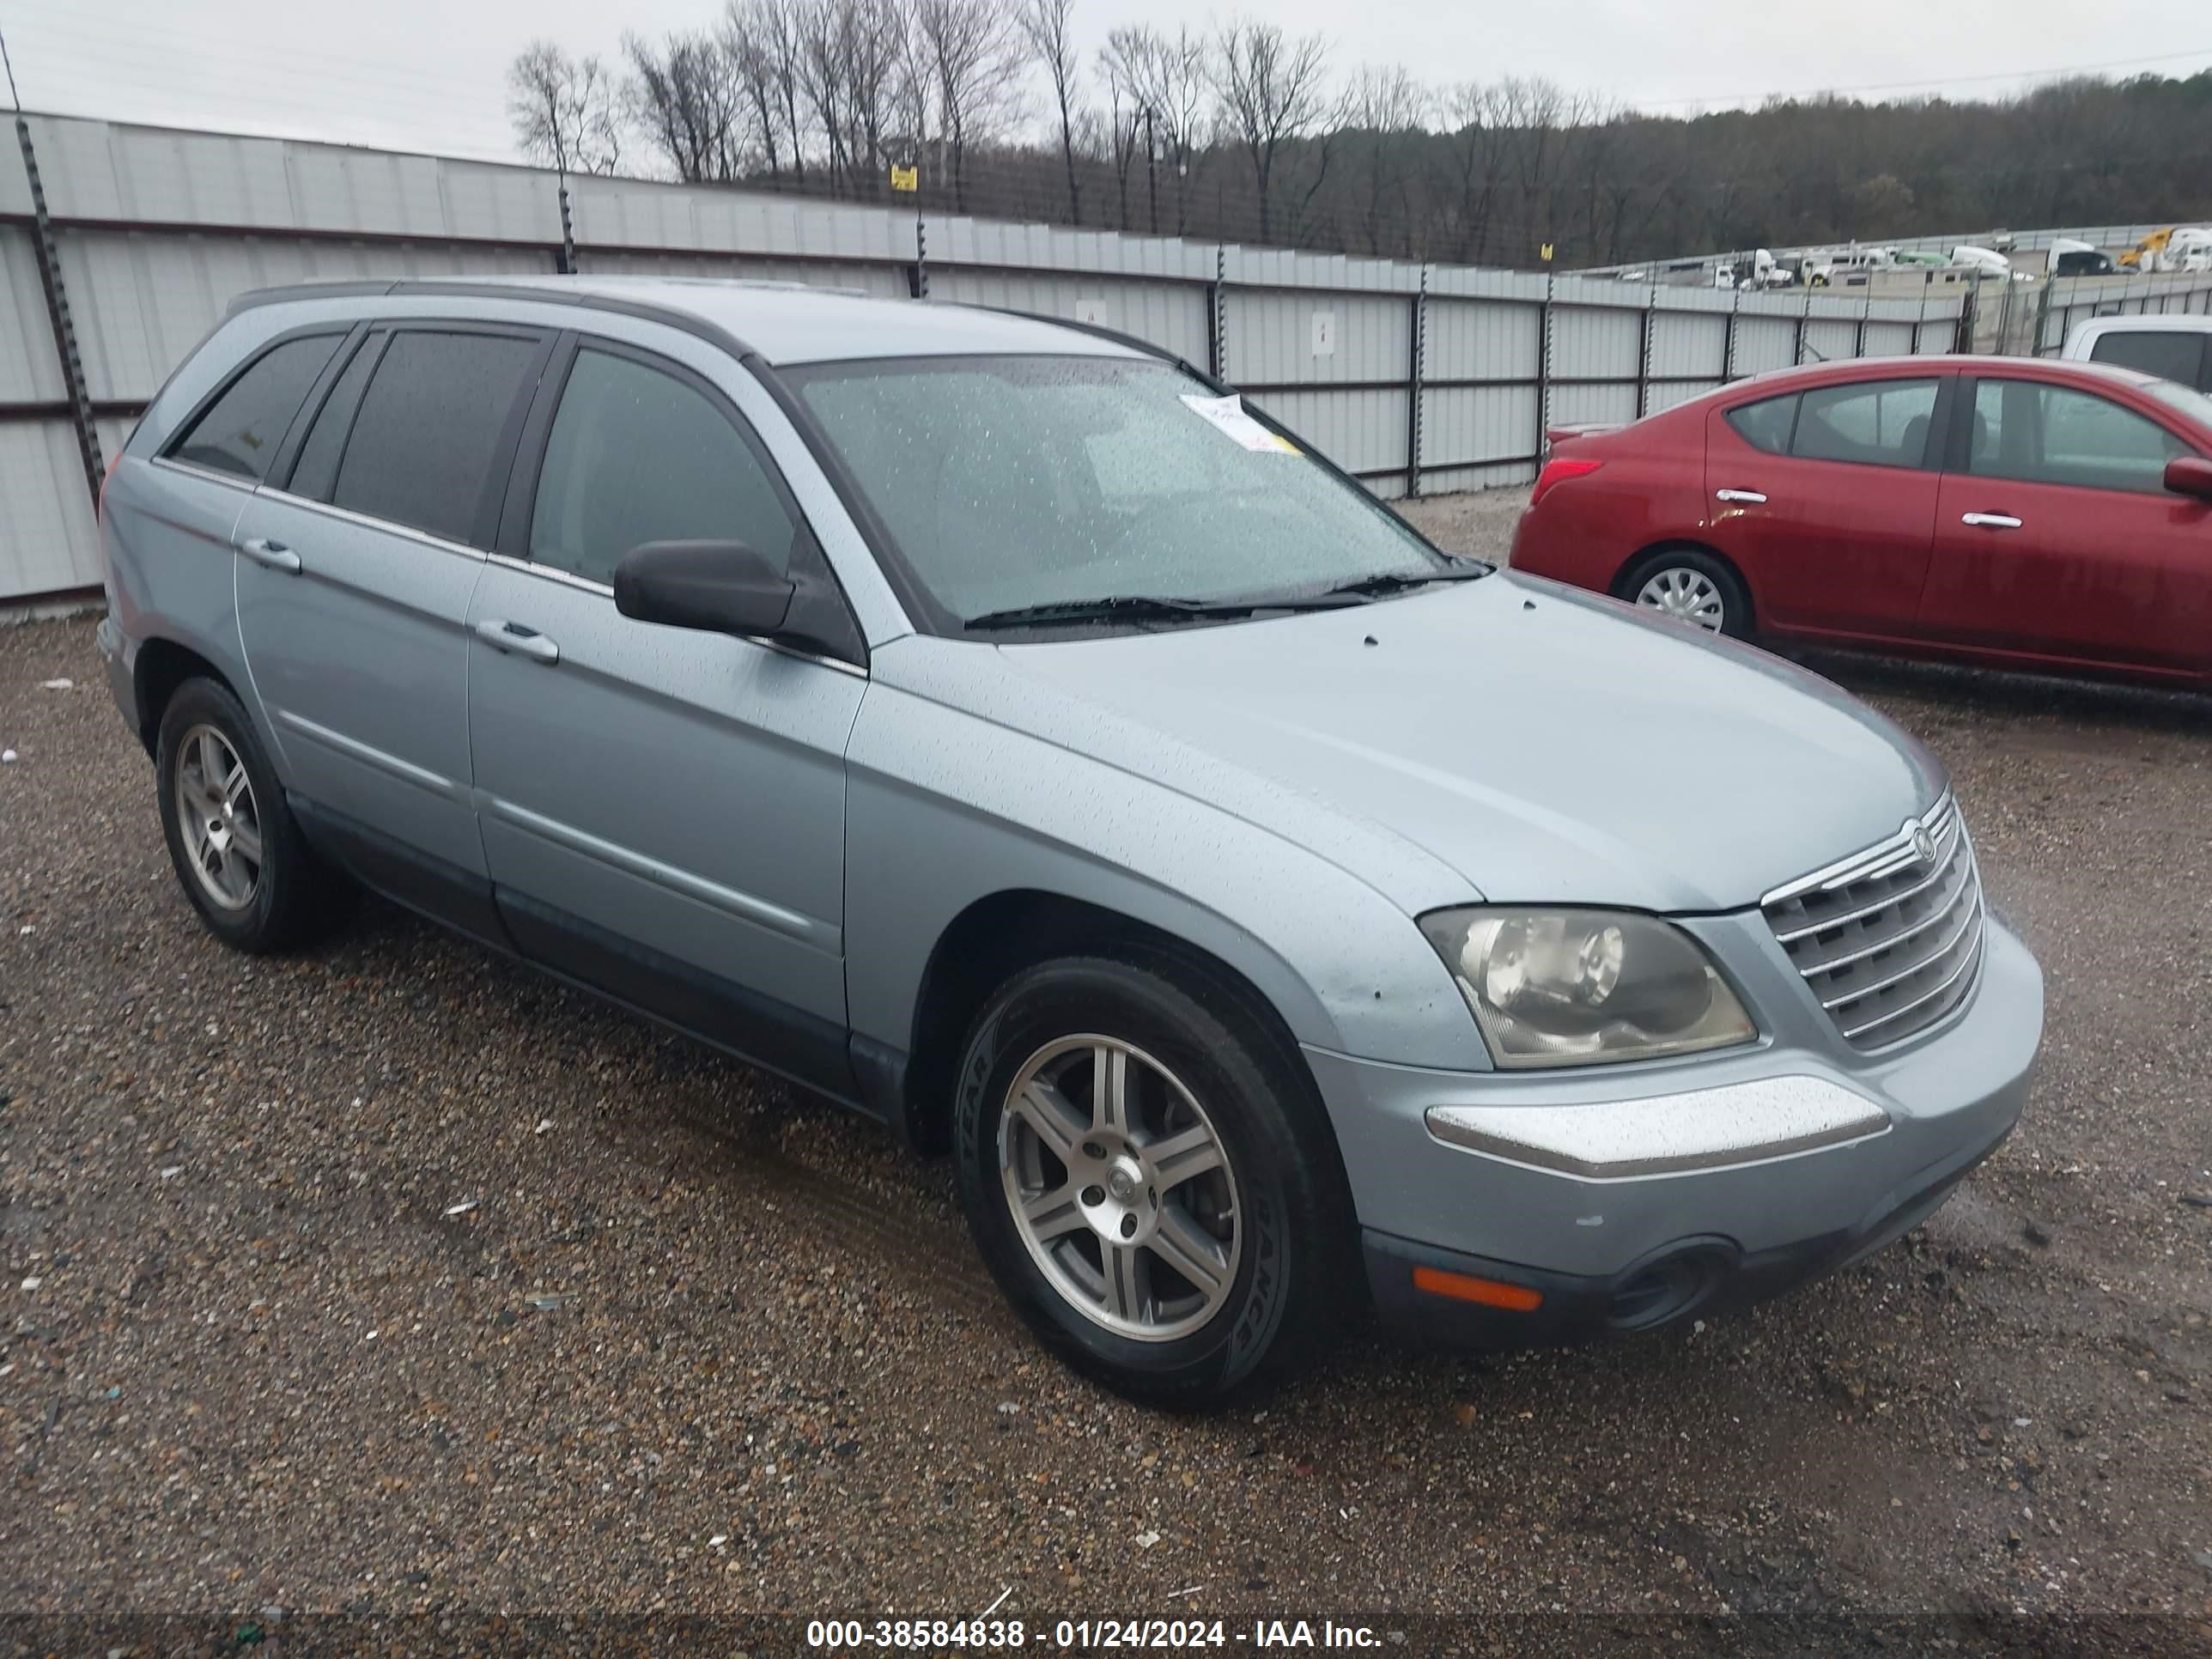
(1807, 965)
(1888, 945)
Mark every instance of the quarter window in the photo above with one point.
(2054, 434)
(636, 455)
(1872, 422)
(316, 470)
(421, 448)
(239, 432)
(1766, 424)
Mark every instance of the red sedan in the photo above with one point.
(2044, 515)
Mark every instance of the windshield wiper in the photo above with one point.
(1392, 582)
(1146, 607)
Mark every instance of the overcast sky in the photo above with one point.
(428, 75)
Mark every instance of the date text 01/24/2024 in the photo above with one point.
(1082, 1635)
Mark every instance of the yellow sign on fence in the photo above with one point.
(905, 178)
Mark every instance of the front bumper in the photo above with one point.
(1559, 1184)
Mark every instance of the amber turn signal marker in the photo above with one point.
(1465, 1287)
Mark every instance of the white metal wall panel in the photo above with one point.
(1504, 475)
(1572, 404)
(1466, 426)
(141, 299)
(878, 281)
(1889, 339)
(1830, 338)
(1270, 337)
(1687, 342)
(1594, 343)
(46, 542)
(30, 371)
(1173, 318)
(1679, 392)
(1479, 340)
(1940, 334)
(1360, 431)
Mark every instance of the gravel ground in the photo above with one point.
(394, 1282)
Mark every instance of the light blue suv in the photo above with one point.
(1005, 730)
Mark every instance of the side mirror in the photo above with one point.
(2190, 475)
(723, 588)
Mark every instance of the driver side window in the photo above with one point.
(638, 455)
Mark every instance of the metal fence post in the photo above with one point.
(1643, 352)
(1544, 367)
(1727, 336)
(1414, 370)
(1804, 315)
(57, 315)
(1866, 312)
(918, 279)
(2043, 315)
(1216, 317)
(564, 262)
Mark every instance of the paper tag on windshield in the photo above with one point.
(1228, 415)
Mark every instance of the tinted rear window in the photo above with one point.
(317, 465)
(1766, 425)
(239, 432)
(2170, 353)
(422, 447)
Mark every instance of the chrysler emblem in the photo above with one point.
(1923, 844)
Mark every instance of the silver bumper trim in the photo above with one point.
(1716, 1128)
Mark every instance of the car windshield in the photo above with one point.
(1012, 482)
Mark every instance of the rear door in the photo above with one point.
(354, 580)
(2057, 539)
(1826, 499)
(663, 810)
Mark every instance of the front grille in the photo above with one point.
(1888, 941)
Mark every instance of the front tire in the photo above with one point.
(238, 851)
(1151, 1181)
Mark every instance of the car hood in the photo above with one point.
(1545, 744)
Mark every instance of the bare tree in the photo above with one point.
(1268, 90)
(684, 92)
(1167, 79)
(1383, 106)
(762, 39)
(969, 51)
(563, 109)
(1045, 26)
(1124, 127)
(852, 68)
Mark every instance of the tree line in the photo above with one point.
(1241, 131)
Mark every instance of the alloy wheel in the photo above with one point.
(1686, 594)
(1120, 1187)
(219, 818)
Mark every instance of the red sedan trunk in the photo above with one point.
(2009, 511)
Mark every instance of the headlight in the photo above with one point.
(1579, 987)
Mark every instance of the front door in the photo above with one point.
(2058, 541)
(663, 811)
(354, 583)
(1826, 499)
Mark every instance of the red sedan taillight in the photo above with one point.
(1557, 473)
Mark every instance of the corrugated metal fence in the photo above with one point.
(1418, 378)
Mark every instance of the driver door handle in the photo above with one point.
(274, 555)
(516, 640)
(1990, 520)
(1751, 495)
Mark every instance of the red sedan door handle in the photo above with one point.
(1751, 495)
(1990, 520)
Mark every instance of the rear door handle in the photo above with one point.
(274, 555)
(517, 640)
(1990, 520)
(1751, 495)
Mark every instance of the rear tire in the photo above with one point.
(1690, 586)
(237, 848)
(1190, 1246)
